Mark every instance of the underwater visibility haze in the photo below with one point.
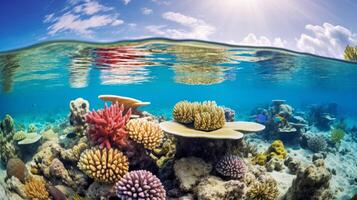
(301, 109)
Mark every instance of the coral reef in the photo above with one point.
(210, 120)
(108, 125)
(7, 126)
(317, 143)
(212, 188)
(58, 170)
(35, 189)
(165, 152)
(104, 165)
(189, 171)
(144, 132)
(311, 183)
(292, 164)
(140, 184)
(263, 190)
(16, 167)
(231, 166)
(73, 154)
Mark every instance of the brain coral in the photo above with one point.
(317, 143)
(104, 165)
(35, 188)
(231, 166)
(108, 125)
(140, 185)
(16, 167)
(144, 132)
(263, 190)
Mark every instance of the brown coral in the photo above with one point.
(16, 167)
(104, 165)
(263, 190)
(184, 112)
(144, 132)
(35, 189)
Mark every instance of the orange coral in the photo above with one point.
(35, 189)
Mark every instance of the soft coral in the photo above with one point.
(108, 125)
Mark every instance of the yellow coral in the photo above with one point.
(277, 149)
(165, 152)
(35, 189)
(104, 165)
(19, 135)
(212, 119)
(260, 159)
(184, 112)
(263, 190)
(144, 132)
(206, 116)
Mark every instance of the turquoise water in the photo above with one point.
(41, 80)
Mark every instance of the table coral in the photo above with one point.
(144, 132)
(104, 165)
(108, 125)
(35, 189)
(140, 184)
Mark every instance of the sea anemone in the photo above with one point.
(104, 165)
(263, 190)
(35, 188)
(144, 132)
(140, 184)
(231, 166)
(108, 125)
(317, 143)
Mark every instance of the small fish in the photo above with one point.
(71, 135)
(261, 118)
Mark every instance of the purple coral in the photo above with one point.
(231, 166)
(140, 185)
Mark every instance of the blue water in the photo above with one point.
(41, 80)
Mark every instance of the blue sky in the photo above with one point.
(322, 27)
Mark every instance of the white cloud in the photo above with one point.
(326, 40)
(253, 40)
(82, 18)
(193, 28)
(161, 2)
(126, 2)
(146, 11)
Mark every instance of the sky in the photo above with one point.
(322, 27)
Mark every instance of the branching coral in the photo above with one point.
(184, 112)
(206, 116)
(317, 143)
(144, 132)
(104, 165)
(35, 189)
(108, 125)
(263, 190)
(231, 166)
(140, 184)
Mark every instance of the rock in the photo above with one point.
(274, 164)
(187, 197)
(58, 171)
(212, 188)
(318, 156)
(100, 191)
(3, 195)
(311, 183)
(50, 135)
(292, 164)
(15, 185)
(79, 108)
(56, 193)
(189, 171)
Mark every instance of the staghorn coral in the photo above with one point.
(263, 190)
(16, 167)
(184, 112)
(104, 165)
(231, 166)
(140, 184)
(35, 189)
(108, 125)
(317, 143)
(144, 132)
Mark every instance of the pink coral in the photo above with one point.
(108, 125)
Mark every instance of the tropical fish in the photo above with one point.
(261, 118)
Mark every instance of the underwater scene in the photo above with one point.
(164, 119)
